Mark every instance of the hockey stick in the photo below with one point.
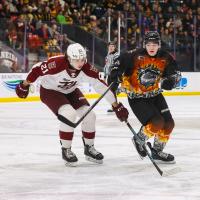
(74, 125)
(162, 173)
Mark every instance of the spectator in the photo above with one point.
(43, 32)
(166, 38)
(60, 18)
(139, 16)
(64, 43)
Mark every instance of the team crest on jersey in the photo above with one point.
(66, 84)
(149, 75)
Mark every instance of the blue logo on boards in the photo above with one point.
(182, 83)
(11, 85)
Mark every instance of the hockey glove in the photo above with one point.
(21, 90)
(121, 112)
(171, 81)
(167, 84)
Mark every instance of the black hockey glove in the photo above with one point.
(171, 82)
(167, 84)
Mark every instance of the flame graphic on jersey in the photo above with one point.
(145, 76)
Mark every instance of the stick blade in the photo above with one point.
(171, 172)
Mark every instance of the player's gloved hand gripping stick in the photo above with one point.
(22, 91)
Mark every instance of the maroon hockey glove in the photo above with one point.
(121, 112)
(21, 90)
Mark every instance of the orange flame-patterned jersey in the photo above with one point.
(142, 73)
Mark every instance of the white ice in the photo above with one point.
(31, 167)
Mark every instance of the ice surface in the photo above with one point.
(31, 167)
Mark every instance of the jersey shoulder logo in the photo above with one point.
(52, 65)
(93, 69)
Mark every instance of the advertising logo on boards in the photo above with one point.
(182, 83)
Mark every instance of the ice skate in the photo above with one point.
(139, 148)
(161, 157)
(92, 155)
(138, 143)
(69, 157)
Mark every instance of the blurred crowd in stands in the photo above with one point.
(38, 23)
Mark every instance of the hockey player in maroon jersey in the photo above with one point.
(59, 91)
(144, 73)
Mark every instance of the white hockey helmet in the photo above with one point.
(76, 51)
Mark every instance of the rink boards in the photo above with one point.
(189, 85)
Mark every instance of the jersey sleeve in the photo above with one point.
(172, 72)
(37, 70)
(171, 68)
(126, 63)
(93, 77)
(122, 64)
(51, 66)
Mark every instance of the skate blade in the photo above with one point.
(171, 172)
(71, 164)
(165, 162)
(93, 160)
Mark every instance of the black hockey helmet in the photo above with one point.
(152, 36)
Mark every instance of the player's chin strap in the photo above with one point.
(74, 125)
(162, 173)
